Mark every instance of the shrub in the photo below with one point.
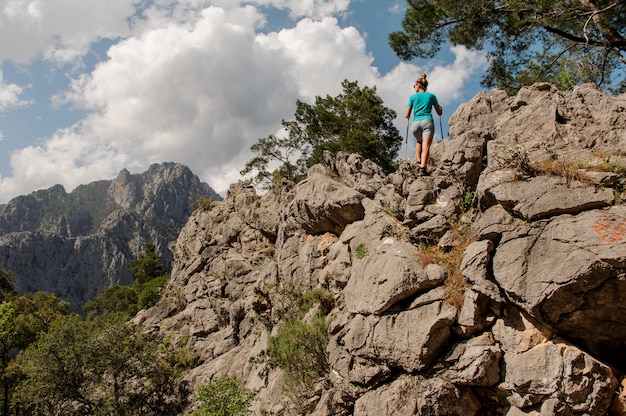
(566, 169)
(466, 203)
(300, 350)
(455, 283)
(388, 231)
(225, 396)
(204, 203)
(516, 158)
(318, 296)
(150, 292)
(361, 251)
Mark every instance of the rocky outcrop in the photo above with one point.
(528, 320)
(75, 244)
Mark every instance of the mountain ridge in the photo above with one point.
(75, 244)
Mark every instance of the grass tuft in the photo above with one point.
(451, 261)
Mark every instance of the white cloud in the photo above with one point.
(321, 55)
(397, 8)
(316, 9)
(198, 96)
(200, 90)
(10, 95)
(61, 30)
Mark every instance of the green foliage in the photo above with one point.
(466, 203)
(22, 320)
(37, 313)
(299, 346)
(289, 153)
(355, 121)
(361, 251)
(102, 367)
(9, 339)
(151, 292)
(565, 42)
(147, 265)
(7, 284)
(144, 293)
(320, 297)
(224, 396)
(299, 349)
(9, 331)
(114, 299)
(204, 203)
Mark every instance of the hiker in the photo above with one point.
(423, 126)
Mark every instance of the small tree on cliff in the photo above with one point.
(150, 278)
(354, 121)
(147, 266)
(565, 42)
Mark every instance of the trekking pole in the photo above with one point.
(443, 145)
(441, 127)
(406, 138)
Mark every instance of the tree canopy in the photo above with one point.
(22, 320)
(565, 42)
(145, 292)
(107, 366)
(354, 121)
(147, 265)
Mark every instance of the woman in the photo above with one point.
(423, 127)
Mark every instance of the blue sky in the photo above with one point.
(90, 88)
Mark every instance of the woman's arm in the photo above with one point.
(408, 111)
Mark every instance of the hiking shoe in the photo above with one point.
(423, 172)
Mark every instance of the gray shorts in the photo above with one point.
(423, 128)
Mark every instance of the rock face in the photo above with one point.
(538, 327)
(76, 244)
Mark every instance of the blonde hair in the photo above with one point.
(422, 81)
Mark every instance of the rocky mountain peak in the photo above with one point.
(75, 244)
(124, 191)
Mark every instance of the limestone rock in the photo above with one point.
(323, 205)
(396, 341)
(567, 273)
(546, 197)
(541, 324)
(416, 396)
(475, 362)
(391, 273)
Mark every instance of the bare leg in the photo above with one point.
(418, 152)
(425, 151)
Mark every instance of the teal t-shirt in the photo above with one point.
(422, 104)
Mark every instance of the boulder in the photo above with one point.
(416, 396)
(542, 197)
(395, 339)
(322, 205)
(567, 272)
(387, 275)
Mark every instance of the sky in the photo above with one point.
(88, 88)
